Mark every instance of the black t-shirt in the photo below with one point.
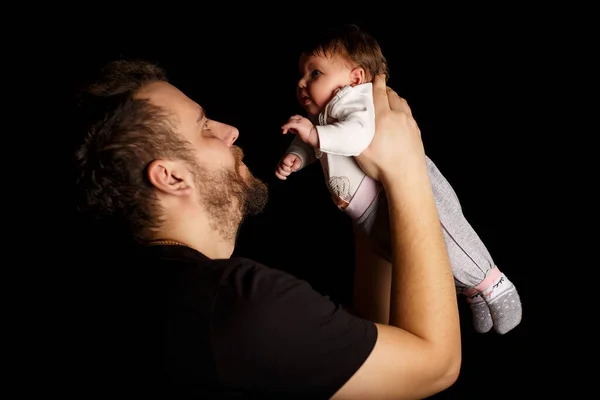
(183, 326)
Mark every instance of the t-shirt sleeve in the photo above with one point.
(273, 335)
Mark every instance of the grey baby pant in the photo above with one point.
(469, 257)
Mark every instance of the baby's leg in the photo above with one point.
(493, 298)
(375, 223)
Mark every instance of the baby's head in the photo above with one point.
(336, 58)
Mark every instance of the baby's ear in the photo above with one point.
(357, 76)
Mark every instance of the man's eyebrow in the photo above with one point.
(201, 114)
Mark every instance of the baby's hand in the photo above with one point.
(303, 128)
(288, 164)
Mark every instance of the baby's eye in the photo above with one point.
(206, 123)
(315, 73)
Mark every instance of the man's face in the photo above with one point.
(226, 187)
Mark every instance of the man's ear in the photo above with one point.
(357, 76)
(172, 177)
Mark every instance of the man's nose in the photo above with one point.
(227, 133)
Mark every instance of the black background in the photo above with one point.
(466, 77)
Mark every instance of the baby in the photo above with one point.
(335, 90)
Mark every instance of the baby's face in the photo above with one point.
(320, 77)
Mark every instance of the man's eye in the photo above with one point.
(206, 123)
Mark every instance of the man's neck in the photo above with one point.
(198, 236)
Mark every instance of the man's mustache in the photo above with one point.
(238, 154)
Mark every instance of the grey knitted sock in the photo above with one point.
(482, 317)
(504, 304)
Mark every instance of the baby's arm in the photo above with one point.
(288, 164)
(297, 156)
(302, 150)
(352, 108)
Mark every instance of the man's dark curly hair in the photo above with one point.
(123, 136)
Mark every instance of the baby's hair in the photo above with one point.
(353, 44)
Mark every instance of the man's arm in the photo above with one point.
(372, 282)
(353, 110)
(419, 353)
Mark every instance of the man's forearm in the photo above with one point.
(423, 297)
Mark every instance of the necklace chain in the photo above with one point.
(168, 242)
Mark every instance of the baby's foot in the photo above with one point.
(482, 318)
(502, 299)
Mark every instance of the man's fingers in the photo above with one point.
(397, 103)
(380, 95)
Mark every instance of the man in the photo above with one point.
(192, 321)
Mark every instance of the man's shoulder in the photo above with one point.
(252, 279)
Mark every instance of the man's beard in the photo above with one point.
(228, 197)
